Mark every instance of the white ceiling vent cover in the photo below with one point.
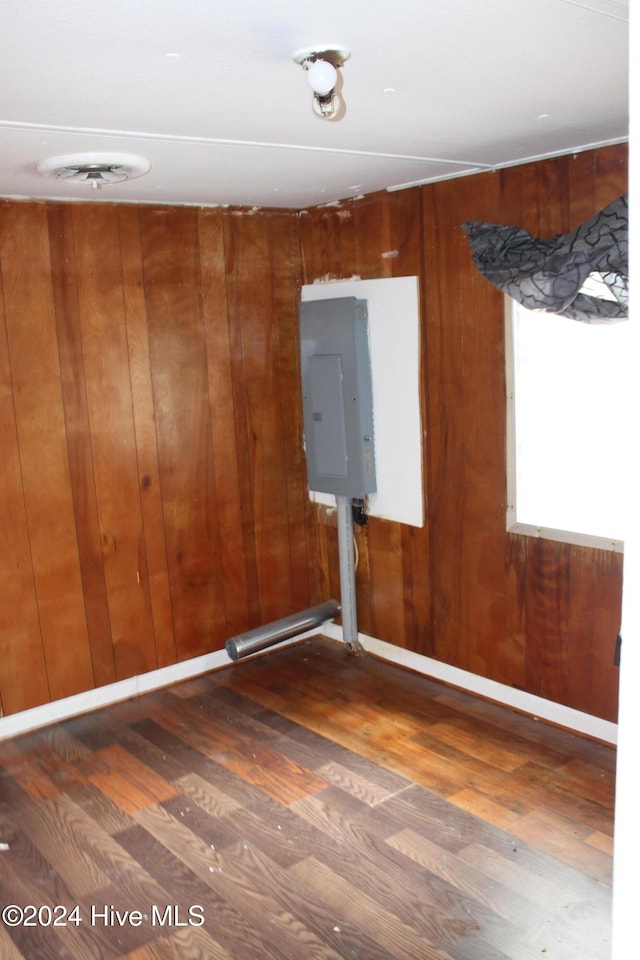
(94, 169)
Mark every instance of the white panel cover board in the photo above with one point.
(394, 334)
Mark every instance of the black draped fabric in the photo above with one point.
(549, 275)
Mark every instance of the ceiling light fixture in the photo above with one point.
(322, 65)
(94, 169)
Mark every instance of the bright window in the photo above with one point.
(566, 427)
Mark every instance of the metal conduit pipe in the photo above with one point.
(252, 641)
(347, 575)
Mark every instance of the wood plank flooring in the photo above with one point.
(305, 805)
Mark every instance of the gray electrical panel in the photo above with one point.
(337, 396)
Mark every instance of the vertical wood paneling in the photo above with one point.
(373, 249)
(582, 188)
(113, 441)
(607, 587)
(581, 627)
(183, 421)
(154, 483)
(74, 393)
(153, 487)
(233, 253)
(610, 175)
(23, 675)
(554, 197)
(328, 243)
(224, 433)
(511, 648)
(256, 270)
(547, 611)
(37, 393)
(446, 264)
(285, 240)
(154, 570)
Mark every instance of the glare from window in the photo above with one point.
(567, 424)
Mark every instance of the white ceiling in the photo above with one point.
(208, 92)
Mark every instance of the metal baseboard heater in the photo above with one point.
(338, 438)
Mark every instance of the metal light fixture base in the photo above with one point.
(333, 53)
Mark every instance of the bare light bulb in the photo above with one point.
(322, 77)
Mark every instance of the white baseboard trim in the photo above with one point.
(36, 717)
(523, 702)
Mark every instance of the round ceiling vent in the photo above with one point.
(95, 169)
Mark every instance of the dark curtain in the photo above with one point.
(549, 275)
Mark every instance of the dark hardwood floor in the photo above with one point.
(305, 805)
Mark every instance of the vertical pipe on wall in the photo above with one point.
(347, 575)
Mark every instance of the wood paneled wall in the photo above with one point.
(531, 613)
(153, 488)
(152, 493)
